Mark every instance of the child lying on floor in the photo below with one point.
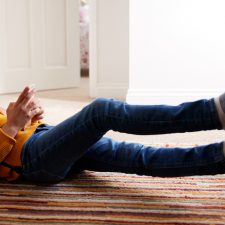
(36, 151)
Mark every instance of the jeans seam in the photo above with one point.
(186, 165)
(219, 157)
(179, 165)
(158, 121)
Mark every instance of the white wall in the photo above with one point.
(177, 50)
(109, 48)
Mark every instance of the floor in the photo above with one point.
(62, 103)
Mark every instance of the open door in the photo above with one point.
(39, 43)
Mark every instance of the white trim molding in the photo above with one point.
(109, 48)
(111, 91)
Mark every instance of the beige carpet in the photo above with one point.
(60, 104)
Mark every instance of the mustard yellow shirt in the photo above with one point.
(11, 148)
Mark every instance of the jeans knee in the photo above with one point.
(100, 101)
(99, 105)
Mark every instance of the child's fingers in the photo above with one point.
(26, 94)
(37, 112)
(22, 95)
(39, 115)
(28, 98)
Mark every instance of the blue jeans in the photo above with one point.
(78, 143)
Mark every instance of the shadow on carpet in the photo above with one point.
(115, 198)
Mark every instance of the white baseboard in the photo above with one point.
(110, 91)
(172, 97)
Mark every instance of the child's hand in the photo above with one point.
(21, 112)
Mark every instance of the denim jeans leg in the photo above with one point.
(49, 155)
(156, 119)
(108, 155)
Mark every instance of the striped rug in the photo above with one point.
(115, 198)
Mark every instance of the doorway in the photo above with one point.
(84, 21)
